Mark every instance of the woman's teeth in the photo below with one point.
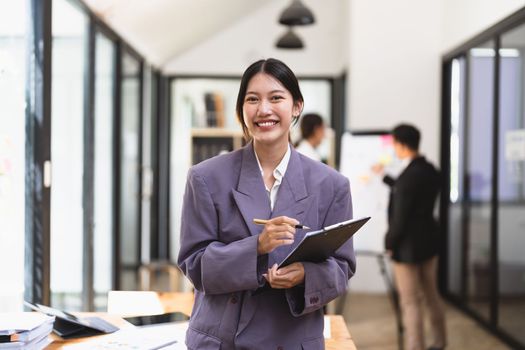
(267, 123)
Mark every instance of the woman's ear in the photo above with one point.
(297, 109)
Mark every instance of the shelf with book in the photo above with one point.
(210, 142)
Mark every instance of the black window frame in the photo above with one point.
(37, 256)
(494, 34)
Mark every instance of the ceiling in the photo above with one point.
(162, 29)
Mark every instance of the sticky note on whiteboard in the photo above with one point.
(515, 145)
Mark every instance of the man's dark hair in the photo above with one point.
(309, 122)
(407, 135)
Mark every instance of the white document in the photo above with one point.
(138, 338)
(327, 331)
(16, 322)
(515, 145)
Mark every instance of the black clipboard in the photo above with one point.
(317, 246)
(69, 326)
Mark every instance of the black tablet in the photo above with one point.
(68, 325)
(156, 319)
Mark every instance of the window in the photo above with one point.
(13, 20)
(484, 209)
(511, 184)
(478, 168)
(67, 154)
(456, 144)
(103, 169)
(130, 165)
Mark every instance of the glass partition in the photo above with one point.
(486, 209)
(103, 168)
(130, 171)
(511, 187)
(149, 237)
(67, 154)
(13, 23)
(456, 198)
(478, 180)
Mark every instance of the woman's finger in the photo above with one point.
(284, 220)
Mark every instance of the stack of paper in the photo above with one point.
(25, 330)
(165, 336)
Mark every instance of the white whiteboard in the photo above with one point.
(359, 152)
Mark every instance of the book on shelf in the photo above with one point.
(208, 147)
(219, 110)
(214, 104)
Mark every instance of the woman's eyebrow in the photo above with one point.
(271, 92)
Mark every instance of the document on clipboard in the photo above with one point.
(317, 246)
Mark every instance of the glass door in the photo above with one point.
(456, 198)
(67, 154)
(103, 226)
(511, 184)
(478, 175)
(130, 171)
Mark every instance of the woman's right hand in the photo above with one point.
(277, 232)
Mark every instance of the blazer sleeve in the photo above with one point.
(327, 280)
(389, 180)
(403, 196)
(213, 267)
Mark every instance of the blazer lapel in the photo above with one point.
(250, 192)
(292, 198)
(293, 201)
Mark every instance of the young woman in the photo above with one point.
(229, 259)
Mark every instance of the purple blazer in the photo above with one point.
(219, 253)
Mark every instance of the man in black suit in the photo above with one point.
(412, 239)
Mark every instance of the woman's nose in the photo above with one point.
(264, 108)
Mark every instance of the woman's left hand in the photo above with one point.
(285, 277)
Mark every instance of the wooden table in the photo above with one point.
(340, 338)
(59, 343)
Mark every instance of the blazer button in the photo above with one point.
(233, 300)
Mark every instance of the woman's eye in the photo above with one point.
(276, 98)
(251, 99)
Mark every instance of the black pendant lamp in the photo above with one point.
(296, 15)
(290, 40)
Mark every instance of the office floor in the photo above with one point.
(372, 323)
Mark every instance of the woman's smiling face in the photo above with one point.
(268, 110)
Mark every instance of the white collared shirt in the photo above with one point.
(306, 148)
(278, 174)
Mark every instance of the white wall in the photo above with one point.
(230, 51)
(465, 19)
(394, 66)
